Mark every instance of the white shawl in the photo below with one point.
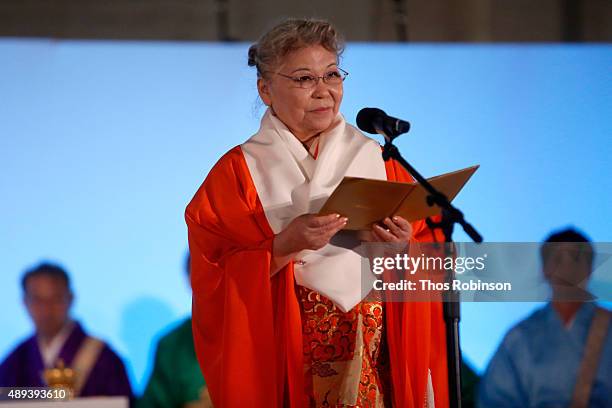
(290, 182)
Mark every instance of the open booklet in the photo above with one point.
(366, 201)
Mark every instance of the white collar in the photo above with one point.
(290, 182)
(51, 350)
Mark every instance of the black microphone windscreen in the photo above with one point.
(367, 117)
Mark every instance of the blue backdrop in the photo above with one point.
(102, 145)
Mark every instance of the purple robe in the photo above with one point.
(24, 366)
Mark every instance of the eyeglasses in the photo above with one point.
(335, 77)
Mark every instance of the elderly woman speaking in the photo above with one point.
(279, 318)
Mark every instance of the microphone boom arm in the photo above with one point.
(453, 215)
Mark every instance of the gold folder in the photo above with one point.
(366, 201)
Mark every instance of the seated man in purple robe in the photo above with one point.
(60, 340)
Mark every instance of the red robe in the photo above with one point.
(247, 326)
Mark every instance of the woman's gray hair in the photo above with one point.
(291, 35)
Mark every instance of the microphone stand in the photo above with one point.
(450, 216)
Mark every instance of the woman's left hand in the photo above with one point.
(398, 230)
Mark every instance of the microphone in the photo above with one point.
(374, 120)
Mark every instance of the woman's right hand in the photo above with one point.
(308, 231)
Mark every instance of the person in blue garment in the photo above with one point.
(561, 355)
(48, 298)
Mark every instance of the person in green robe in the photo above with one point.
(176, 380)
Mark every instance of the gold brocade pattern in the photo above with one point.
(345, 359)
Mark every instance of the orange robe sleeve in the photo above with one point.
(416, 333)
(246, 325)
